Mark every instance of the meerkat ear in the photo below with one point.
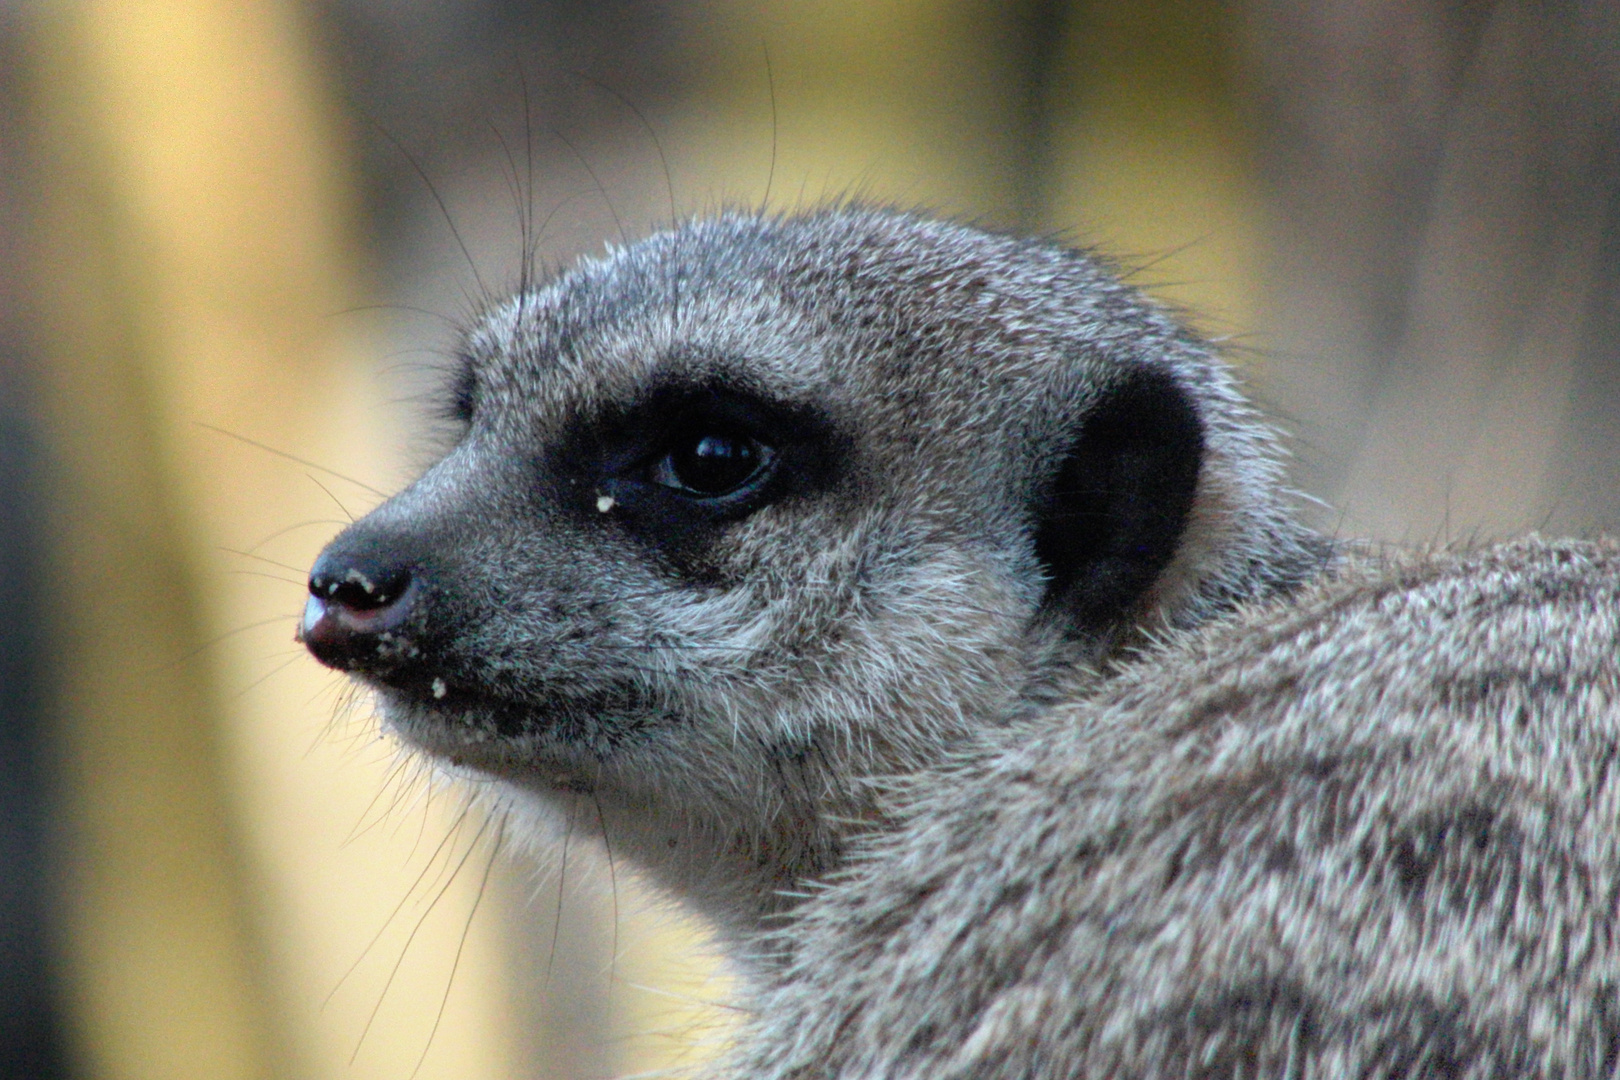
(1112, 515)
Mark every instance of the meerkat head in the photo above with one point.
(757, 510)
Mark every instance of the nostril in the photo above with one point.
(357, 587)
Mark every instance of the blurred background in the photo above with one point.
(236, 237)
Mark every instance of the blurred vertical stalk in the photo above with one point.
(1038, 42)
(1445, 184)
(194, 247)
(1151, 158)
(30, 1031)
(1468, 425)
(157, 945)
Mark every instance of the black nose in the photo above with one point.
(359, 610)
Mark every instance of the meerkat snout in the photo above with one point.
(757, 511)
(356, 607)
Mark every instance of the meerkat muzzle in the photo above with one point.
(356, 614)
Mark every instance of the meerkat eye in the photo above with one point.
(709, 463)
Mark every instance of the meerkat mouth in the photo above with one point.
(471, 725)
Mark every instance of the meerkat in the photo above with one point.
(811, 548)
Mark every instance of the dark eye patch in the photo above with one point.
(687, 460)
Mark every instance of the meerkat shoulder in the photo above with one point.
(1366, 831)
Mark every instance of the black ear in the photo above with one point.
(1110, 518)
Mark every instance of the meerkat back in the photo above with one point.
(1372, 831)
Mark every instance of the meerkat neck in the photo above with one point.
(743, 868)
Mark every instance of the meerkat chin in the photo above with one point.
(757, 511)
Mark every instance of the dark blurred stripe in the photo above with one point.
(30, 1027)
(30, 1037)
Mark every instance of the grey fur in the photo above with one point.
(1084, 788)
(1370, 831)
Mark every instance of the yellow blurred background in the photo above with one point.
(235, 240)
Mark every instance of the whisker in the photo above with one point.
(669, 183)
(509, 176)
(211, 642)
(421, 827)
(466, 930)
(392, 915)
(562, 877)
(391, 780)
(531, 239)
(613, 887)
(334, 498)
(601, 189)
(686, 999)
(277, 670)
(555, 210)
(770, 85)
(394, 972)
(299, 570)
(279, 533)
(300, 582)
(292, 457)
(438, 199)
(414, 310)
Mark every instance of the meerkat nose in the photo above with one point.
(356, 612)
